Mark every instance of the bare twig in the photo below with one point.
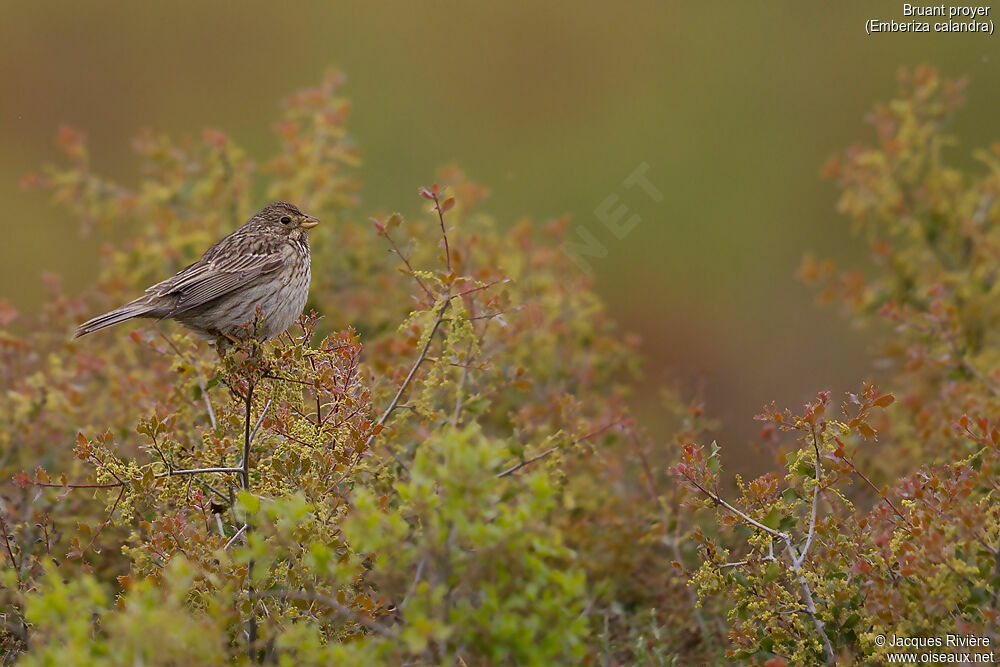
(10, 551)
(818, 473)
(260, 420)
(234, 537)
(460, 391)
(196, 471)
(107, 521)
(52, 485)
(384, 231)
(312, 596)
(850, 462)
(413, 370)
(416, 580)
(198, 378)
(526, 462)
(539, 457)
(245, 478)
(444, 234)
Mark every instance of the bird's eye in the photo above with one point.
(285, 220)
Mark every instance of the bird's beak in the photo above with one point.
(308, 222)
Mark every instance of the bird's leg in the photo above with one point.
(222, 343)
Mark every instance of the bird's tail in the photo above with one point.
(137, 308)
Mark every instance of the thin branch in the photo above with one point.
(460, 391)
(811, 610)
(201, 382)
(978, 375)
(195, 471)
(260, 420)
(478, 288)
(864, 477)
(156, 448)
(214, 490)
(739, 563)
(796, 561)
(718, 500)
(309, 596)
(234, 537)
(527, 462)
(245, 476)
(413, 370)
(50, 485)
(444, 234)
(815, 499)
(319, 407)
(104, 525)
(385, 232)
(244, 466)
(539, 457)
(416, 580)
(10, 551)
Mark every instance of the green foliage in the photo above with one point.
(441, 469)
(407, 494)
(886, 521)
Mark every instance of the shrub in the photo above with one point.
(441, 469)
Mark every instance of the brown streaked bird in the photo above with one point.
(263, 263)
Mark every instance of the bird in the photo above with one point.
(265, 263)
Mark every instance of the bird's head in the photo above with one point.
(284, 218)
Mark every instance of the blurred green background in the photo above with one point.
(733, 106)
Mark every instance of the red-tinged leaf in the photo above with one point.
(75, 550)
(885, 400)
(866, 430)
(81, 438)
(70, 141)
(22, 480)
(447, 204)
(41, 475)
(8, 313)
(425, 193)
(29, 180)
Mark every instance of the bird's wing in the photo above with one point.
(209, 279)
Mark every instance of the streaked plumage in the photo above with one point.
(265, 262)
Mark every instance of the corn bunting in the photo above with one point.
(263, 263)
